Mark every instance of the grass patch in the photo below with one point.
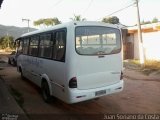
(147, 68)
(132, 64)
(151, 66)
(17, 96)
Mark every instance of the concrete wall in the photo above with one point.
(151, 43)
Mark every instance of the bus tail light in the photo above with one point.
(73, 83)
(121, 77)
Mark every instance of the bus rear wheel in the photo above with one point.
(14, 62)
(22, 76)
(9, 61)
(45, 92)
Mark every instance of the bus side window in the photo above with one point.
(45, 47)
(19, 47)
(33, 47)
(25, 45)
(60, 45)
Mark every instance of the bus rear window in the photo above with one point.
(94, 40)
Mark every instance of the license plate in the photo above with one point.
(101, 92)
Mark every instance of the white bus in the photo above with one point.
(74, 62)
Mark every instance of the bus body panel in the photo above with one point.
(94, 72)
(76, 95)
(35, 68)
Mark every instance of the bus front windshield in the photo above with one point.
(95, 40)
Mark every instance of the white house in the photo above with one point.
(151, 42)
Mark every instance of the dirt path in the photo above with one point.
(138, 96)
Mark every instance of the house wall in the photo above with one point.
(151, 43)
(151, 40)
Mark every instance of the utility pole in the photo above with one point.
(7, 40)
(140, 40)
(27, 22)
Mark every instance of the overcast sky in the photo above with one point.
(12, 11)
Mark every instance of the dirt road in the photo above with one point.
(138, 96)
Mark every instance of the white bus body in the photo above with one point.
(74, 62)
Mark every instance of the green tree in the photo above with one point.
(78, 18)
(112, 20)
(7, 42)
(155, 20)
(47, 22)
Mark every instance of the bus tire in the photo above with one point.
(14, 62)
(45, 92)
(22, 76)
(9, 61)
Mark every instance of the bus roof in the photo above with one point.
(72, 23)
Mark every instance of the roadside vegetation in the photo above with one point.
(147, 68)
(7, 43)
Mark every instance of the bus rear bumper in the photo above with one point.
(83, 95)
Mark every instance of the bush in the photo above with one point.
(152, 64)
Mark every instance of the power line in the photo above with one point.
(58, 2)
(119, 10)
(90, 3)
(53, 6)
